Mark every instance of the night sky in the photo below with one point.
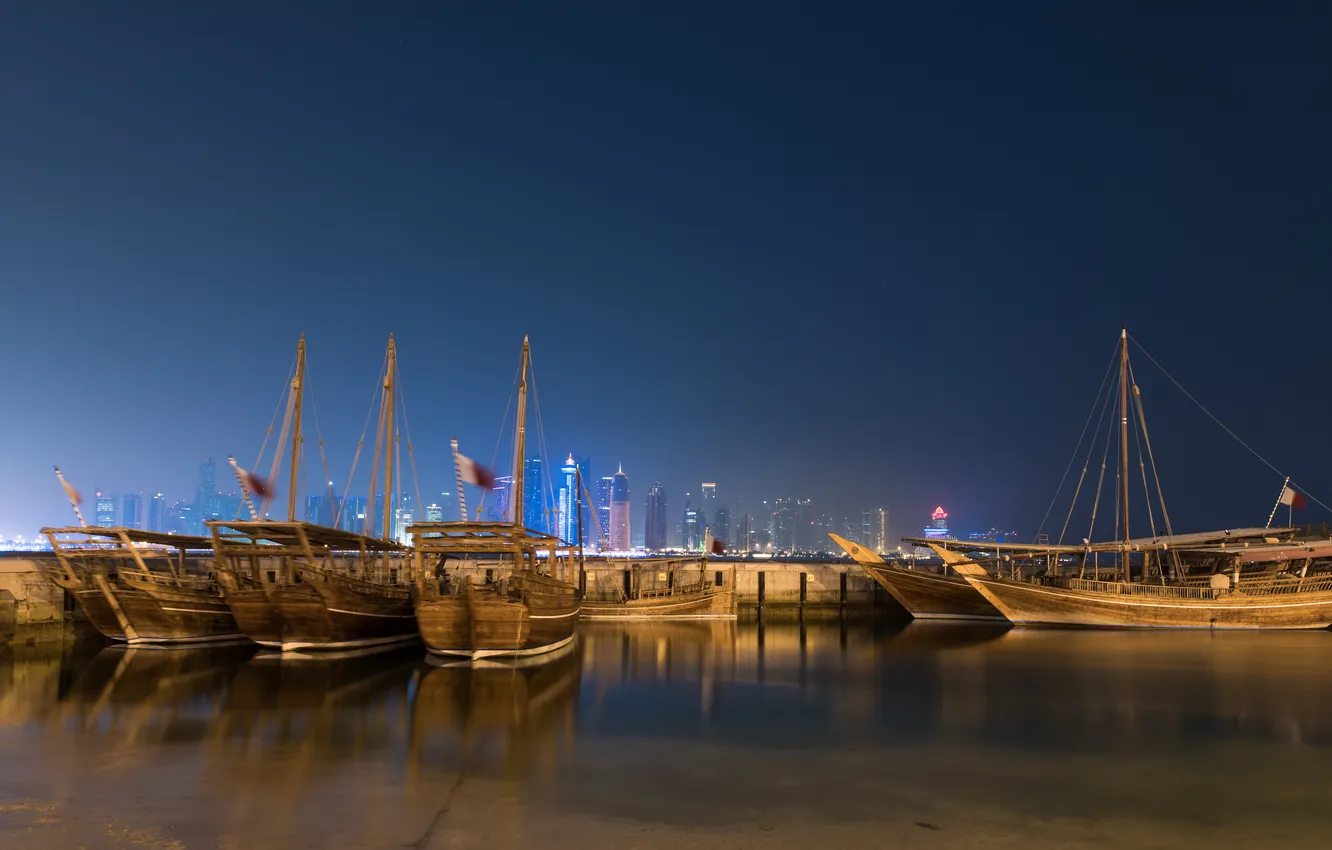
(855, 253)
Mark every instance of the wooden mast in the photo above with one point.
(388, 452)
(520, 442)
(1123, 447)
(298, 388)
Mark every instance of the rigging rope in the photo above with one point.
(1142, 467)
(1074, 456)
(1100, 481)
(323, 458)
(1156, 476)
(513, 391)
(1091, 449)
(1222, 425)
(360, 444)
(548, 481)
(407, 426)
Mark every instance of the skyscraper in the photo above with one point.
(567, 524)
(691, 527)
(206, 502)
(708, 503)
(881, 530)
(105, 510)
(654, 519)
(603, 498)
(497, 500)
(721, 524)
(938, 527)
(619, 512)
(783, 526)
(131, 510)
(434, 513)
(867, 529)
(157, 513)
(536, 510)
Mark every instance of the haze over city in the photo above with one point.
(869, 259)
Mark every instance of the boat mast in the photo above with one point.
(520, 442)
(1123, 445)
(298, 389)
(388, 452)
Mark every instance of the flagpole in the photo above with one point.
(70, 493)
(457, 474)
(1272, 515)
(245, 491)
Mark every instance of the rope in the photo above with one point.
(1074, 456)
(1100, 481)
(1156, 476)
(360, 444)
(368, 526)
(1137, 442)
(406, 426)
(279, 451)
(1222, 425)
(548, 480)
(323, 459)
(286, 390)
(513, 391)
(1091, 448)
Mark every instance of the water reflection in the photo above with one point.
(262, 739)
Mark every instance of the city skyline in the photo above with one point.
(879, 258)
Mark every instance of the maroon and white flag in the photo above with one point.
(474, 473)
(1291, 496)
(252, 482)
(713, 546)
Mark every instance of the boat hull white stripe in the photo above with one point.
(198, 610)
(368, 614)
(207, 639)
(637, 617)
(476, 654)
(1182, 605)
(553, 616)
(289, 646)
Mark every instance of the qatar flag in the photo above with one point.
(474, 473)
(1291, 496)
(248, 480)
(713, 546)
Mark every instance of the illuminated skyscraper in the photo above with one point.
(721, 524)
(536, 510)
(881, 530)
(708, 506)
(691, 529)
(567, 527)
(619, 512)
(497, 500)
(105, 510)
(867, 529)
(434, 513)
(157, 513)
(131, 510)
(207, 504)
(654, 519)
(938, 527)
(783, 526)
(603, 497)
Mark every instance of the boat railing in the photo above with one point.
(1135, 589)
(1248, 585)
(677, 590)
(1284, 585)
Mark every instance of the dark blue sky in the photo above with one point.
(852, 252)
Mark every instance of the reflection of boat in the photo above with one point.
(925, 595)
(152, 590)
(297, 681)
(529, 706)
(526, 613)
(654, 590)
(127, 694)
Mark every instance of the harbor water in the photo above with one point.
(791, 733)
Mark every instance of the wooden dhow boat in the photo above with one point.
(1255, 578)
(297, 585)
(532, 611)
(143, 587)
(657, 588)
(925, 595)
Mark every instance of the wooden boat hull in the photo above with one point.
(258, 615)
(99, 612)
(323, 612)
(479, 622)
(1038, 605)
(161, 613)
(711, 604)
(927, 596)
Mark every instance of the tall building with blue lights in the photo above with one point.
(654, 519)
(603, 498)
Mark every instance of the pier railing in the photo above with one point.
(1259, 585)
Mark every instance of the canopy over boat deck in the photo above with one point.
(479, 538)
(1226, 540)
(264, 537)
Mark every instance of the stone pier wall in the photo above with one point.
(31, 607)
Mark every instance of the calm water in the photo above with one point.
(836, 734)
